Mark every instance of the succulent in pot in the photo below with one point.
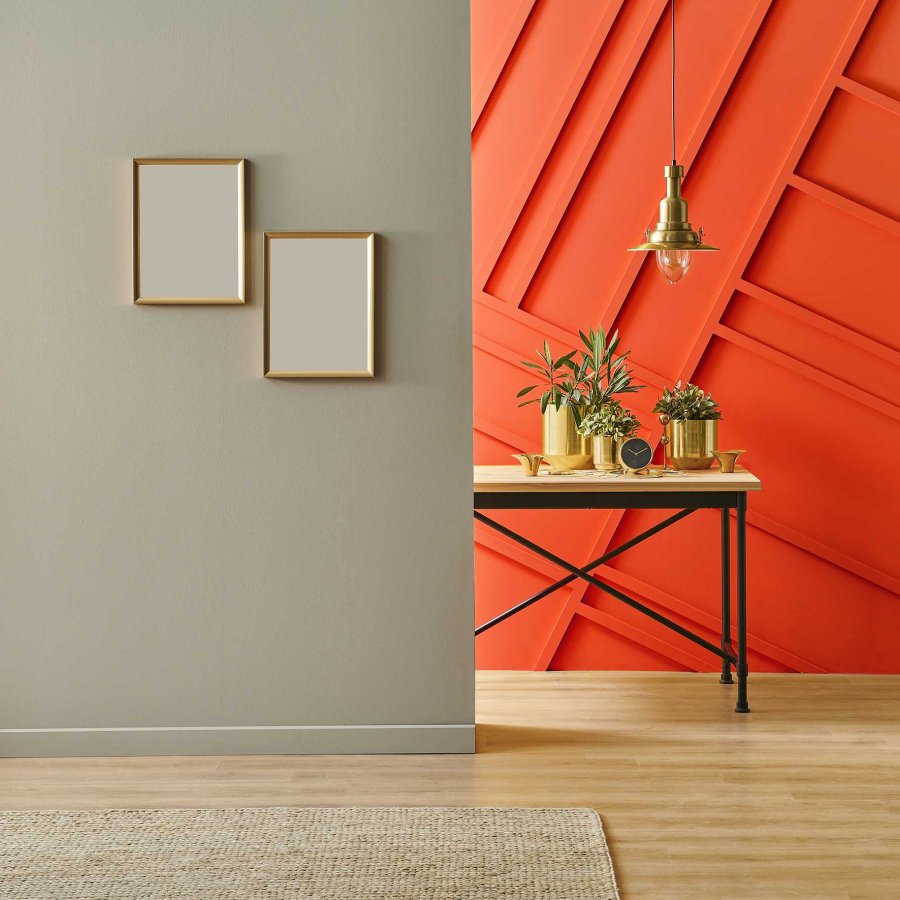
(606, 428)
(691, 418)
(686, 403)
(612, 420)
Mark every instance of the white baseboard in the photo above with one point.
(216, 741)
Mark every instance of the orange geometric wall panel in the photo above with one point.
(789, 127)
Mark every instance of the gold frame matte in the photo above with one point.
(242, 230)
(369, 237)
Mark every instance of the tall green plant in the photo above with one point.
(609, 374)
(587, 384)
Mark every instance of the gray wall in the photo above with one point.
(191, 554)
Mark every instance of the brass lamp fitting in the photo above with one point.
(673, 230)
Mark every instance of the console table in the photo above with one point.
(507, 487)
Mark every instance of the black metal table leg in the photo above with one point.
(742, 705)
(726, 596)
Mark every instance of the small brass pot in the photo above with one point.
(562, 446)
(606, 453)
(693, 442)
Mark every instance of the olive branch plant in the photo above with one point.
(609, 374)
(585, 385)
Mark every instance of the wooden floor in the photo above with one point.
(799, 799)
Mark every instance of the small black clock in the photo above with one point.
(635, 454)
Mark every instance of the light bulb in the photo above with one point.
(674, 264)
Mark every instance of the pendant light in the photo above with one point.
(673, 239)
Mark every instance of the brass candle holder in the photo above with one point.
(531, 462)
(727, 459)
(664, 439)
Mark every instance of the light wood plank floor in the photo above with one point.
(799, 799)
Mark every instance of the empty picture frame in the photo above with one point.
(189, 237)
(319, 305)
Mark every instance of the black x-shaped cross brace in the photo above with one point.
(726, 653)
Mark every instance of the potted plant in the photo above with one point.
(608, 376)
(606, 428)
(564, 382)
(691, 419)
(574, 388)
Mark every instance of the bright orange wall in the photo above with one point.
(789, 124)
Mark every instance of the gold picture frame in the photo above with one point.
(319, 304)
(185, 222)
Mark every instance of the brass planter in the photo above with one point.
(606, 453)
(693, 442)
(562, 446)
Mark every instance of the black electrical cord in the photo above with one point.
(673, 83)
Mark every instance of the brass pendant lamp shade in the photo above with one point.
(673, 231)
(673, 239)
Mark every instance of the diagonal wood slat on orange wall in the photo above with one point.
(789, 121)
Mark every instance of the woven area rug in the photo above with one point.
(315, 854)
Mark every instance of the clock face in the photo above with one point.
(635, 453)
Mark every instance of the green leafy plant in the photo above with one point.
(608, 374)
(562, 380)
(688, 402)
(611, 420)
(587, 384)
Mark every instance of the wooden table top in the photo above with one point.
(512, 478)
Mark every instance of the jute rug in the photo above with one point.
(314, 854)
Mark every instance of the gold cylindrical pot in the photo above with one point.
(562, 446)
(693, 442)
(606, 453)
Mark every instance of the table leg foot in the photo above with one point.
(725, 678)
(742, 706)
